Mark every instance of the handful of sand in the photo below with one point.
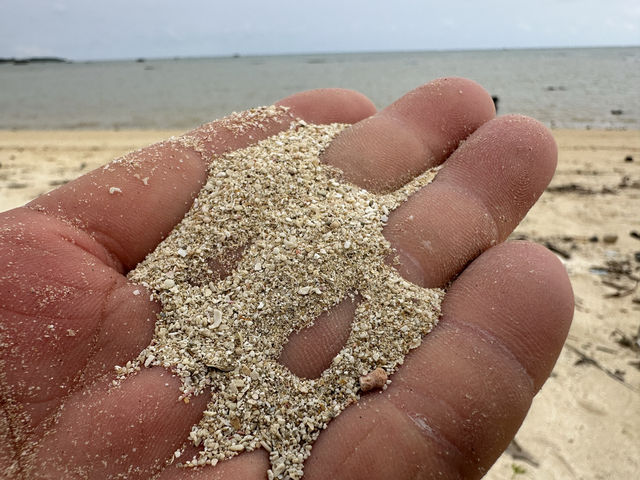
(274, 239)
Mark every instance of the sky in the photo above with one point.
(125, 29)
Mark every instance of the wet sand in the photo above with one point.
(585, 423)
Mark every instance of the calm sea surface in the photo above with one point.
(561, 87)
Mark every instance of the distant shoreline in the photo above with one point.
(250, 55)
(28, 60)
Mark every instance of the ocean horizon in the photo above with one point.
(562, 87)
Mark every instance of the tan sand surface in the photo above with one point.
(585, 423)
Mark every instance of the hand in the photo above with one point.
(68, 315)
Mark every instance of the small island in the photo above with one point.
(28, 60)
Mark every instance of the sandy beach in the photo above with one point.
(585, 423)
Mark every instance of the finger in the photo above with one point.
(461, 396)
(418, 131)
(380, 153)
(247, 466)
(310, 351)
(128, 431)
(483, 191)
(131, 204)
(66, 318)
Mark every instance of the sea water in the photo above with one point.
(574, 88)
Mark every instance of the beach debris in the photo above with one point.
(582, 190)
(570, 188)
(598, 270)
(631, 342)
(373, 380)
(496, 100)
(114, 190)
(628, 158)
(627, 182)
(621, 290)
(556, 249)
(586, 359)
(619, 267)
(517, 470)
(58, 182)
(610, 238)
(619, 275)
(517, 452)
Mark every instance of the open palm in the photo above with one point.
(68, 314)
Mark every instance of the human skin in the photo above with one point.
(68, 315)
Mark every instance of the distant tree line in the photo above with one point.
(27, 60)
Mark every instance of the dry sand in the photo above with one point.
(308, 243)
(585, 423)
